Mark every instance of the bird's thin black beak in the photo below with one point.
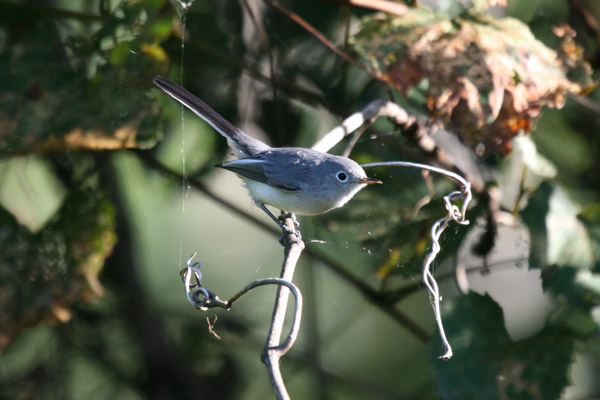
(369, 181)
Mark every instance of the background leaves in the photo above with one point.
(92, 235)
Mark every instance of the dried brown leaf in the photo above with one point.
(486, 78)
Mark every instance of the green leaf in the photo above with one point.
(118, 55)
(42, 274)
(579, 287)
(475, 328)
(487, 364)
(72, 88)
(591, 214)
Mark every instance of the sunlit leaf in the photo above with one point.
(568, 240)
(532, 159)
(30, 191)
(558, 237)
(388, 265)
(154, 51)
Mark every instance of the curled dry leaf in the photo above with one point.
(485, 78)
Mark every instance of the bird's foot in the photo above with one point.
(286, 229)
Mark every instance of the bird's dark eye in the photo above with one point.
(342, 176)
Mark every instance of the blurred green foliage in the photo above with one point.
(88, 308)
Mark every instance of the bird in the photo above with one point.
(295, 180)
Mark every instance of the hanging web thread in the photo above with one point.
(182, 8)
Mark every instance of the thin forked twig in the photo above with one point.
(201, 298)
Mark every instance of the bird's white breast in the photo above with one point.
(301, 202)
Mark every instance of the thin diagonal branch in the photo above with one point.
(377, 298)
(313, 31)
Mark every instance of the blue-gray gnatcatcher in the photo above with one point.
(294, 179)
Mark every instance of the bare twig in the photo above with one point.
(313, 31)
(455, 214)
(386, 6)
(376, 108)
(410, 126)
(354, 140)
(407, 122)
(273, 349)
(203, 299)
(587, 103)
(211, 326)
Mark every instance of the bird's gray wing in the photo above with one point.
(261, 170)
